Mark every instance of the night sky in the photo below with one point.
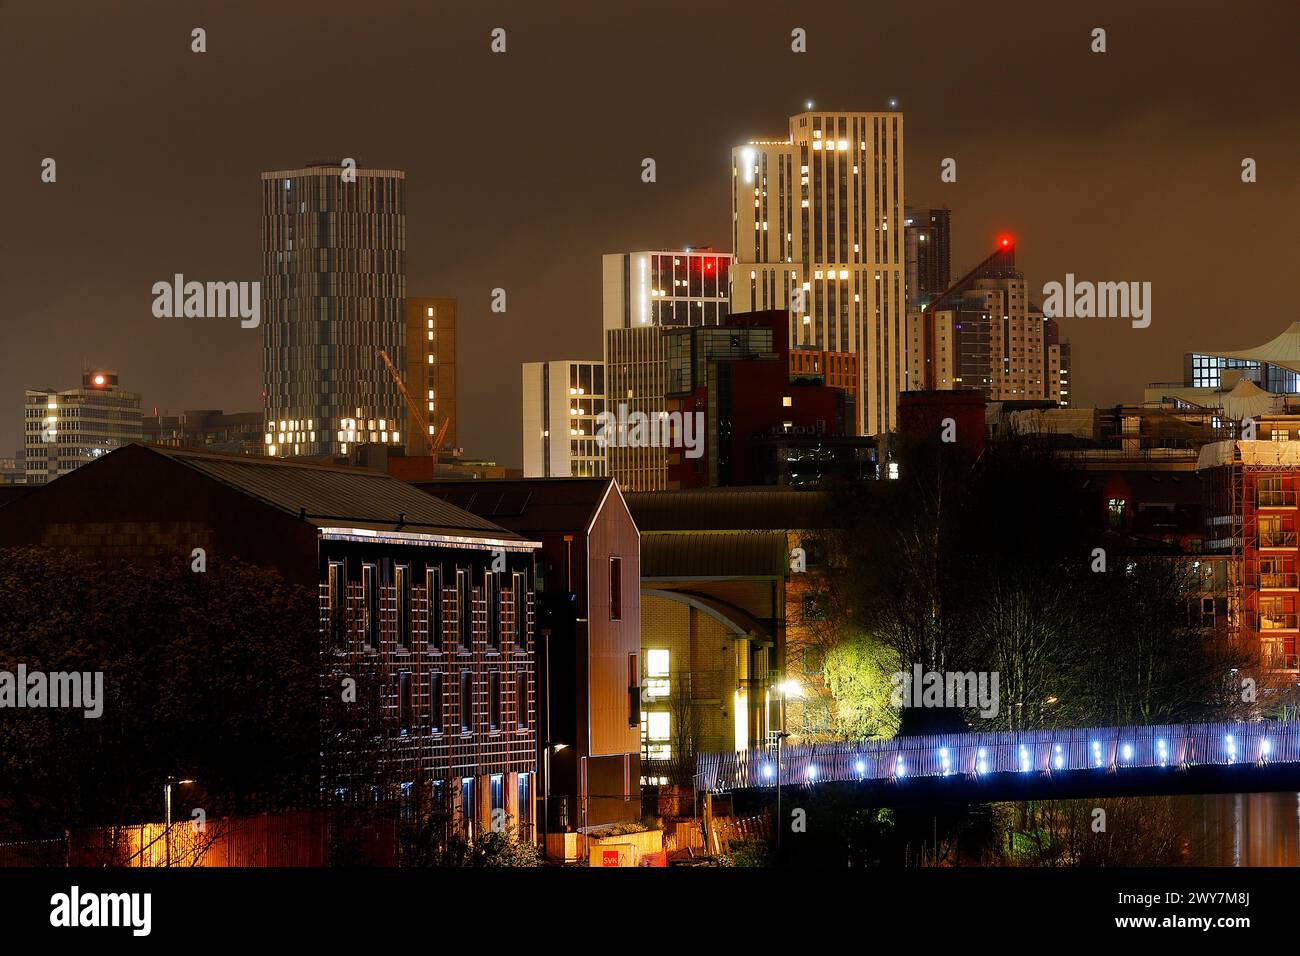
(523, 168)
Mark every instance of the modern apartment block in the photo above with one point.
(985, 333)
(645, 292)
(818, 227)
(333, 296)
(1255, 519)
(63, 430)
(928, 253)
(563, 402)
(430, 372)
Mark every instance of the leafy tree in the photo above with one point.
(210, 676)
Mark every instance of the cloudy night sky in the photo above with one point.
(523, 168)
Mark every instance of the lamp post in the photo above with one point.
(780, 821)
(167, 801)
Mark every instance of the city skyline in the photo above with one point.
(1108, 177)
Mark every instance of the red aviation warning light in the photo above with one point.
(1005, 242)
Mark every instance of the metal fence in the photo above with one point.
(1032, 751)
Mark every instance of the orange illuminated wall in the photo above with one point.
(430, 372)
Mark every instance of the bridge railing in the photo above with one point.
(1031, 751)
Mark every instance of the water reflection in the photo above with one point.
(1244, 829)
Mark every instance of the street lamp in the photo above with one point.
(167, 799)
(780, 821)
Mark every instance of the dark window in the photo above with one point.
(433, 585)
(466, 701)
(403, 606)
(464, 608)
(435, 702)
(521, 612)
(494, 700)
(404, 708)
(370, 593)
(521, 699)
(492, 597)
(525, 805)
(616, 589)
(338, 604)
(814, 607)
(633, 693)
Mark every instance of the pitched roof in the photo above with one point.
(714, 554)
(1284, 350)
(526, 505)
(331, 497)
(759, 508)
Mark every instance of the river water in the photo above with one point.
(1243, 829)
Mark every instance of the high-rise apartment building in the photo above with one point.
(985, 333)
(430, 374)
(929, 253)
(333, 296)
(65, 429)
(562, 404)
(818, 228)
(645, 292)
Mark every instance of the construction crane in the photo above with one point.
(433, 443)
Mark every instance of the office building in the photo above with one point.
(63, 430)
(818, 228)
(563, 402)
(333, 297)
(643, 293)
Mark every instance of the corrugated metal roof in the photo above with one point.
(763, 508)
(526, 505)
(333, 497)
(714, 555)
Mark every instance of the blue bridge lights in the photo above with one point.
(978, 755)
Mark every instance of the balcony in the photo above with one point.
(1277, 661)
(1278, 581)
(1275, 499)
(1268, 621)
(1277, 539)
